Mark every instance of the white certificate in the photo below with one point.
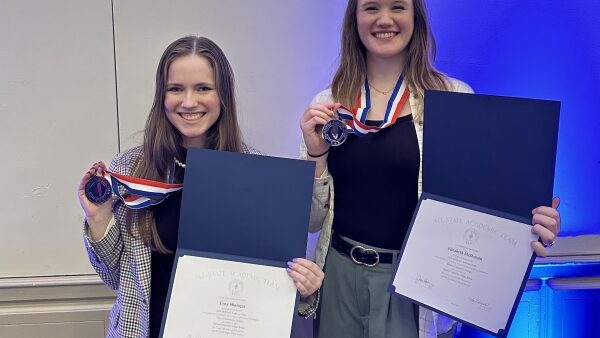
(218, 298)
(465, 263)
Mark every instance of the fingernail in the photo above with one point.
(288, 270)
(290, 264)
(295, 260)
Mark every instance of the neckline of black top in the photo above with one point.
(373, 123)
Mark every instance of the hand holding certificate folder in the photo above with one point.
(243, 217)
(487, 162)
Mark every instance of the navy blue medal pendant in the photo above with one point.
(98, 190)
(335, 132)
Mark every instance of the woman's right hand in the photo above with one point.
(311, 124)
(97, 215)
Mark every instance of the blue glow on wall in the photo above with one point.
(536, 49)
(548, 311)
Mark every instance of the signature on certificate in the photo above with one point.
(423, 282)
(485, 306)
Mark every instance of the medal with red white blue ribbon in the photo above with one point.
(142, 192)
(354, 120)
(97, 189)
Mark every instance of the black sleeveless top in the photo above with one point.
(376, 184)
(166, 216)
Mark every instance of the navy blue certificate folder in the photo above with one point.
(490, 154)
(492, 151)
(246, 205)
(245, 208)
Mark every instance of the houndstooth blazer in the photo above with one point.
(123, 261)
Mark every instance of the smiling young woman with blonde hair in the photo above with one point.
(386, 65)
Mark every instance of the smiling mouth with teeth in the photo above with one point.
(385, 35)
(191, 116)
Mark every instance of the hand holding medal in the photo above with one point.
(94, 186)
(312, 124)
(95, 193)
(97, 189)
(335, 131)
(98, 185)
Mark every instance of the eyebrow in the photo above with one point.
(195, 84)
(369, 3)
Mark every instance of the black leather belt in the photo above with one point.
(359, 254)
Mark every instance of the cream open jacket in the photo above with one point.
(321, 218)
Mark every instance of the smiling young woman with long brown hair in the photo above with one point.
(132, 249)
(386, 65)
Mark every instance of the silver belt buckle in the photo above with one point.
(364, 250)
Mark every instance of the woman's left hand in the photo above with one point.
(546, 224)
(307, 276)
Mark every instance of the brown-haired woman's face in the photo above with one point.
(191, 100)
(385, 27)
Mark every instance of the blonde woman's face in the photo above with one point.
(192, 103)
(385, 27)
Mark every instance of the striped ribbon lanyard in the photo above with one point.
(355, 118)
(142, 192)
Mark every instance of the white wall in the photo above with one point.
(58, 102)
(282, 53)
(57, 117)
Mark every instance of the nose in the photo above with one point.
(385, 19)
(189, 100)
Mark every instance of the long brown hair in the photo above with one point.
(163, 142)
(419, 71)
